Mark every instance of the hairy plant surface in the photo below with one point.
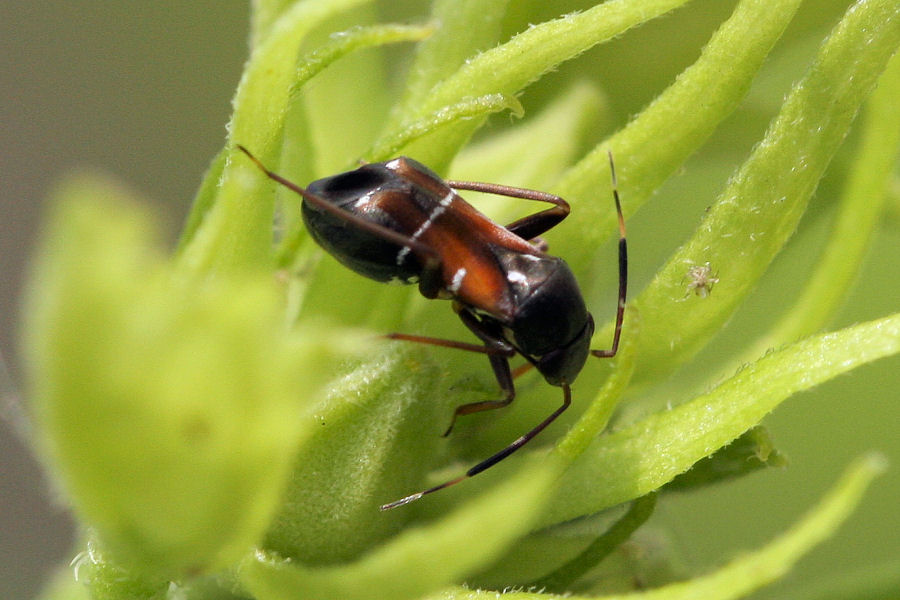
(225, 422)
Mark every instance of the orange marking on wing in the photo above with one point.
(464, 237)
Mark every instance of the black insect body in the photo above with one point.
(399, 221)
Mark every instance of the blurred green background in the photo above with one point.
(142, 91)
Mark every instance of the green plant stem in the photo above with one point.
(640, 458)
(466, 28)
(409, 566)
(863, 202)
(762, 204)
(236, 231)
(659, 140)
(510, 67)
(349, 41)
(750, 571)
(468, 108)
(563, 577)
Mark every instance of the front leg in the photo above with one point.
(500, 365)
(499, 353)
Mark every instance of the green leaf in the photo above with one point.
(750, 571)
(103, 579)
(752, 451)
(343, 43)
(204, 199)
(594, 420)
(863, 201)
(590, 424)
(552, 137)
(236, 232)
(562, 578)
(774, 560)
(508, 68)
(347, 96)
(621, 466)
(762, 204)
(370, 445)
(165, 406)
(659, 140)
(263, 15)
(184, 421)
(467, 109)
(312, 118)
(417, 561)
(870, 582)
(351, 97)
(465, 27)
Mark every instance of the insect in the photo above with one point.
(399, 221)
(701, 280)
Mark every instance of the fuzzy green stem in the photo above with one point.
(761, 206)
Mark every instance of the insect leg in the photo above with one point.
(499, 359)
(500, 365)
(521, 370)
(492, 460)
(421, 339)
(499, 353)
(527, 227)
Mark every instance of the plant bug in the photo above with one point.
(399, 221)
